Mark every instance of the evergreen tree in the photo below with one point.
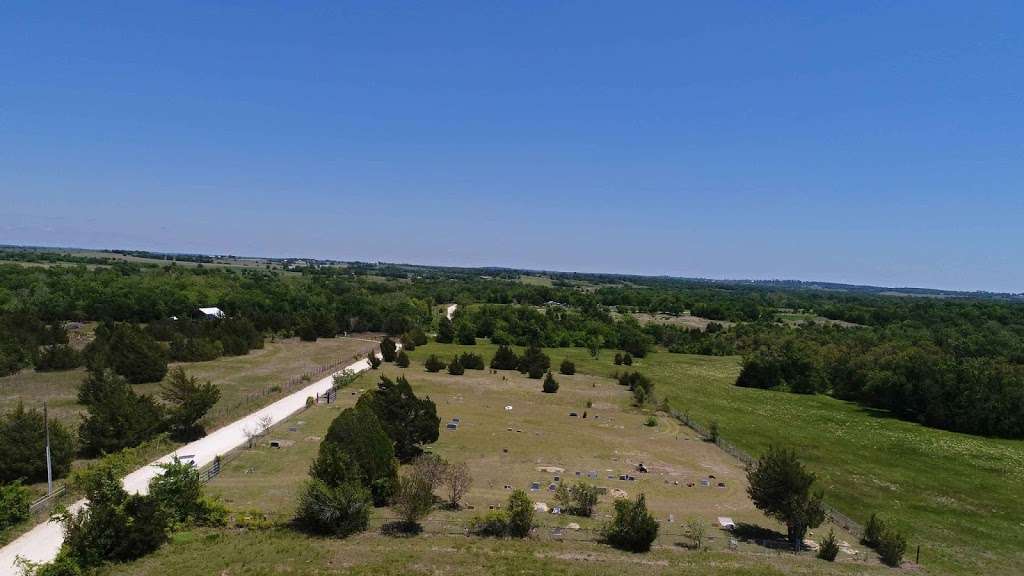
(780, 486)
(188, 401)
(402, 359)
(505, 359)
(455, 367)
(358, 432)
(408, 420)
(550, 384)
(445, 331)
(567, 368)
(388, 349)
(23, 446)
(118, 419)
(434, 364)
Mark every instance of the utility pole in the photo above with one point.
(49, 466)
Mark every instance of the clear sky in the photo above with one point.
(862, 142)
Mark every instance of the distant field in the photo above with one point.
(685, 320)
(958, 496)
(801, 317)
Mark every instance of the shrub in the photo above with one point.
(414, 336)
(335, 510)
(306, 331)
(873, 531)
(413, 501)
(504, 358)
(409, 421)
(388, 349)
(15, 500)
(494, 524)
(550, 385)
(115, 527)
(618, 359)
(578, 500)
(627, 359)
(180, 492)
(23, 443)
(535, 372)
(58, 357)
(434, 364)
(651, 421)
(891, 547)
(641, 386)
(696, 528)
(402, 359)
(567, 368)
(713, 433)
(374, 360)
(471, 361)
(455, 367)
(829, 547)
(633, 528)
(520, 514)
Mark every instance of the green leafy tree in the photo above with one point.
(23, 446)
(519, 511)
(633, 528)
(780, 486)
(550, 385)
(409, 421)
(358, 432)
(15, 500)
(188, 401)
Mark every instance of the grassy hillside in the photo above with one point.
(958, 496)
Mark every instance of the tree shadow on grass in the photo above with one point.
(760, 535)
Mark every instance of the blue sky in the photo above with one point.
(862, 142)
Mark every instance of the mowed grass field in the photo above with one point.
(544, 441)
(960, 497)
(240, 378)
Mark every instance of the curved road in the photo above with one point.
(42, 543)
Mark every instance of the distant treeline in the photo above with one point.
(950, 363)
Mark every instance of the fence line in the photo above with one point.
(837, 517)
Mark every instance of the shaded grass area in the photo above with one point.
(958, 496)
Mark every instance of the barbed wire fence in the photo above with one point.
(837, 517)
